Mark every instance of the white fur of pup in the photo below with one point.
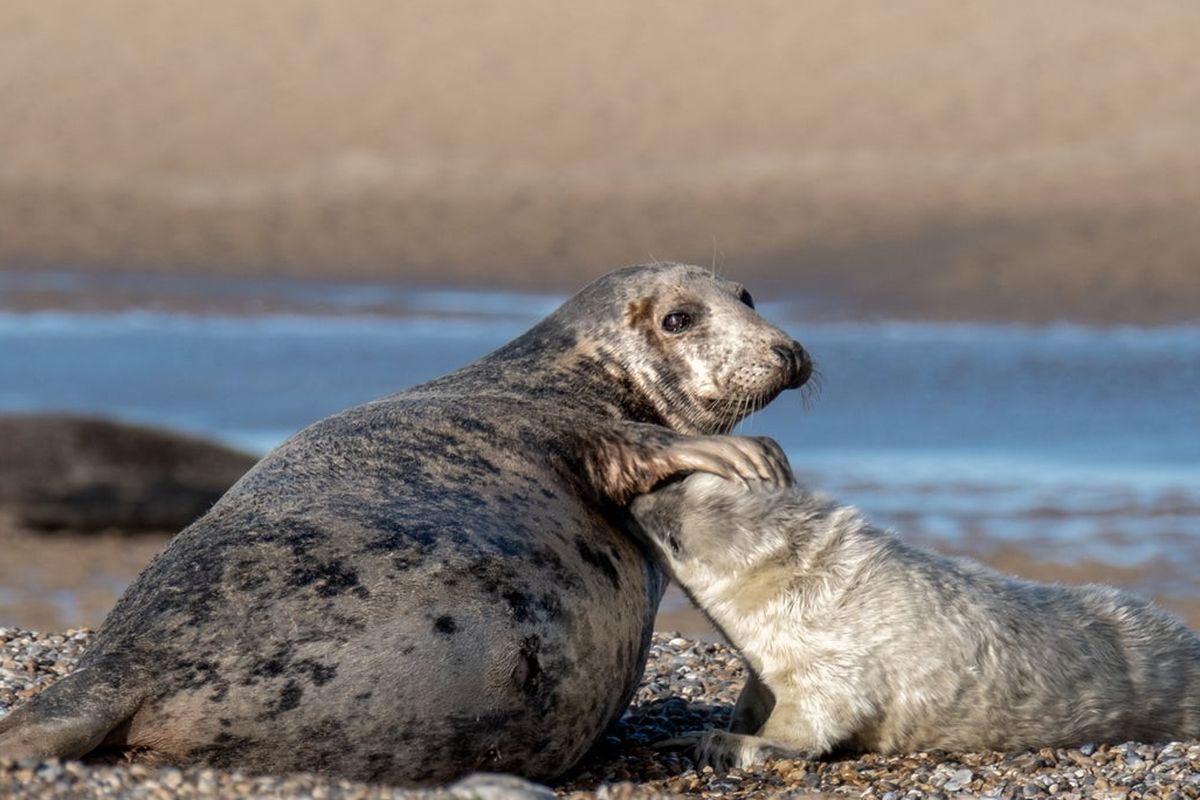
(857, 640)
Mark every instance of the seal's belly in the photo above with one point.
(402, 650)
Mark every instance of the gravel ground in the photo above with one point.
(688, 685)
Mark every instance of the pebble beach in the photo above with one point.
(688, 685)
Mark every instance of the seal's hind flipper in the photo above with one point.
(68, 720)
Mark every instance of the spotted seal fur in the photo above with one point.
(438, 582)
(858, 641)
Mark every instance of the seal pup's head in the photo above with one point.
(753, 556)
(727, 546)
(687, 344)
(708, 531)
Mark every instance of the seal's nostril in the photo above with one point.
(796, 361)
(787, 357)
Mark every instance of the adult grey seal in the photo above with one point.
(64, 471)
(859, 641)
(438, 582)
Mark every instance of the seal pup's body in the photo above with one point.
(857, 640)
(437, 582)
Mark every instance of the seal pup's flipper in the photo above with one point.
(71, 718)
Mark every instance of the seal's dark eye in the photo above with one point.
(677, 321)
(746, 298)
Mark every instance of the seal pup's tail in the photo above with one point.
(71, 718)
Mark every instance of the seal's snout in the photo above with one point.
(797, 364)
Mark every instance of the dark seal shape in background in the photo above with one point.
(70, 472)
(437, 582)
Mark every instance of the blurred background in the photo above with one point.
(231, 218)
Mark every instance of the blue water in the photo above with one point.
(1082, 441)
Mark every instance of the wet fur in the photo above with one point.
(434, 583)
(857, 640)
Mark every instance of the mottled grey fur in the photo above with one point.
(440, 581)
(857, 640)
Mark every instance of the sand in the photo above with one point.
(936, 158)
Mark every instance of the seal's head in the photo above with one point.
(687, 343)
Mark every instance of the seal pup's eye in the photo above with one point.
(677, 321)
(746, 298)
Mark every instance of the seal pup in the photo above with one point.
(438, 582)
(857, 640)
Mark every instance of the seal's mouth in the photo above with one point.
(797, 364)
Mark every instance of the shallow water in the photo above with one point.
(1073, 443)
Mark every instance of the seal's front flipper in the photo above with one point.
(723, 751)
(737, 458)
(632, 458)
(68, 720)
